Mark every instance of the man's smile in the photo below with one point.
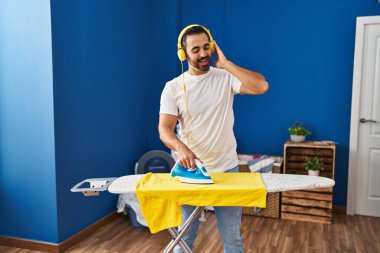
(204, 61)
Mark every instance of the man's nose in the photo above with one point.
(203, 52)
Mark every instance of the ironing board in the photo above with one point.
(127, 185)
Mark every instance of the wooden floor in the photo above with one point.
(260, 235)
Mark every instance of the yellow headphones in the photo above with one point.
(182, 56)
(180, 52)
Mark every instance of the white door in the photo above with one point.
(367, 199)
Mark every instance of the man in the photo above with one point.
(201, 101)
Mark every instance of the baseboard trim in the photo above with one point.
(29, 244)
(57, 248)
(86, 232)
(339, 209)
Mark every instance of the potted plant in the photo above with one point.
(298, 132)
(313, 166)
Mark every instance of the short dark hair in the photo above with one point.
(191, 31)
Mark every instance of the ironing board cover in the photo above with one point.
(161, 196)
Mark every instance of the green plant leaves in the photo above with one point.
(298, 129)
(314, 163)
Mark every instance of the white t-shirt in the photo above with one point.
(210, 99)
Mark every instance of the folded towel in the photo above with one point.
(263, 164)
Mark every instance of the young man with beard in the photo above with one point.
(201, 101)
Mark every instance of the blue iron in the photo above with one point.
(198, 175)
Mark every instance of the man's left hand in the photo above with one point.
(220, 57)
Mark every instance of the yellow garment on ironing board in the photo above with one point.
(161, 196)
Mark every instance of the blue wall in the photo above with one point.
(305, 49)
(27, 166)
(163, 64)
(99, 100)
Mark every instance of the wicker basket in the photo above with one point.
(273, 199)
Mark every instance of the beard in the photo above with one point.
(201, 64)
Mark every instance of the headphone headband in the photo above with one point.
(184, 30)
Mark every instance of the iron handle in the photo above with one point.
(363, 120)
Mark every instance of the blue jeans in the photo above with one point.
(229, 223)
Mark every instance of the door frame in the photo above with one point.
(361, 22)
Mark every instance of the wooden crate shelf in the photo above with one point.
(313, 205)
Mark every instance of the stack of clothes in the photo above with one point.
(260, 164)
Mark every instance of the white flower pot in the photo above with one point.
(313, 172)
(297, 138)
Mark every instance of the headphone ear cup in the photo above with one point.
(181, 54)
(212, 46)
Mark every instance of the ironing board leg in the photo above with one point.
(183, 244)
(177, 237)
